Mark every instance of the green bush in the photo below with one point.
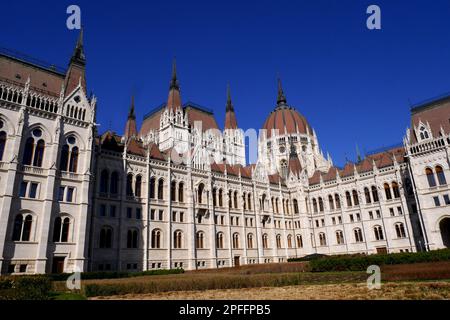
(25, 288)
(361, 262)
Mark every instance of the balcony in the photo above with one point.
(34, 170)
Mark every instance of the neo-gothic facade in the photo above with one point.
(177, 193)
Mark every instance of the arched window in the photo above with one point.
(337, 200)
(181, 192)
(250, 241)
(355, 198)
(330, 202)
(296, 206)
(249, 200)
(152, 187)
(200, 189)
(265, 241)
(321, 204)
(104, 177)
(177, 239)
(73, 165)
(339, 237)
(440, 175)
(230, 199)
(378, 233)
(161, 189)
(64, 160)
(61, 230)
(22, 227)
(244, 200)
(132, 239)
(358, 235)
(114, 187)
(278, 239)
(236, 240)
(263, 202)
(129, 185)
(235, 200)
(289, 241)
(322, 239)
(276, 206)
(105, 238)
(2, 144)
(39, 153)
(400, 230)
(199, 240)
(367, 195)
(395, 190)
(430, 177)
(387, 191)
(220, 198)
(137, 186)
(314, 201)
(173, 191)
(28, 151)
(423, 133)
(299, 241)
(156, 239)
(214, 197)
(349, 199)
(219, 240)
(375, 194)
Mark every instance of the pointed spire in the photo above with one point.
(174, 99)
(75, 74)
(229, 106)
(174, 82)
(78, 53)
(281, 100)
(130, 126)
(132, 114)
(230, 116)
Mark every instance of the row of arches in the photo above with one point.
(352, 199)
(358, 234)
(430, 173)
(25, 222)
(11, 95)
(75, 112)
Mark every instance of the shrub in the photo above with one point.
(361, 262)
(25, 288)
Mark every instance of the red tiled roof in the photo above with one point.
(436, 113)
(41, 79)
(286, 120)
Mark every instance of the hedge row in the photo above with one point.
(361, 262)
(25, 288)
(114, 274)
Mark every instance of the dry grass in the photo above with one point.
(416, 271)
(390, 291)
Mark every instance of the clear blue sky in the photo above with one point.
(352, 84)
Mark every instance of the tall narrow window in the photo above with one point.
(65, 230)
(265, 241)
(367, 195)
(358, 235)
(18, 223)
(330, 202)
(73, 160)
(296, 206)
(129, 185)
(39, 153)
(138, 186)
(235, 241)
(152, 187)
(400, 230)
(173, 191)
(299, 241)
(249, 200)
(320, 204)
(219, 240)
(114, 187)
(104, 181)
(177, 239)
(57, 230)
(200, 189)
(355, 197)
(337, 200)
(314, 201)
(235, 198)
(160, 189)
(156, 239)
(375, 194)
(28, 151)
(181, 192)
(440, 175)
(349, 199)
(220, 198)
(387, 191)
(2, 144)
(199, 240)
(26, 233)
(64, 160)
(250, 241)
(395, 190)
(430, 177)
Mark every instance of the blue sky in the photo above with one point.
(354, 85)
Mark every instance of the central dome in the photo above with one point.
(286, 119)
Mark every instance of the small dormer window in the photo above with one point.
(423, 132)
(77, 99)
(44, 84)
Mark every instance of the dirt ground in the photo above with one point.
(401, 290)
